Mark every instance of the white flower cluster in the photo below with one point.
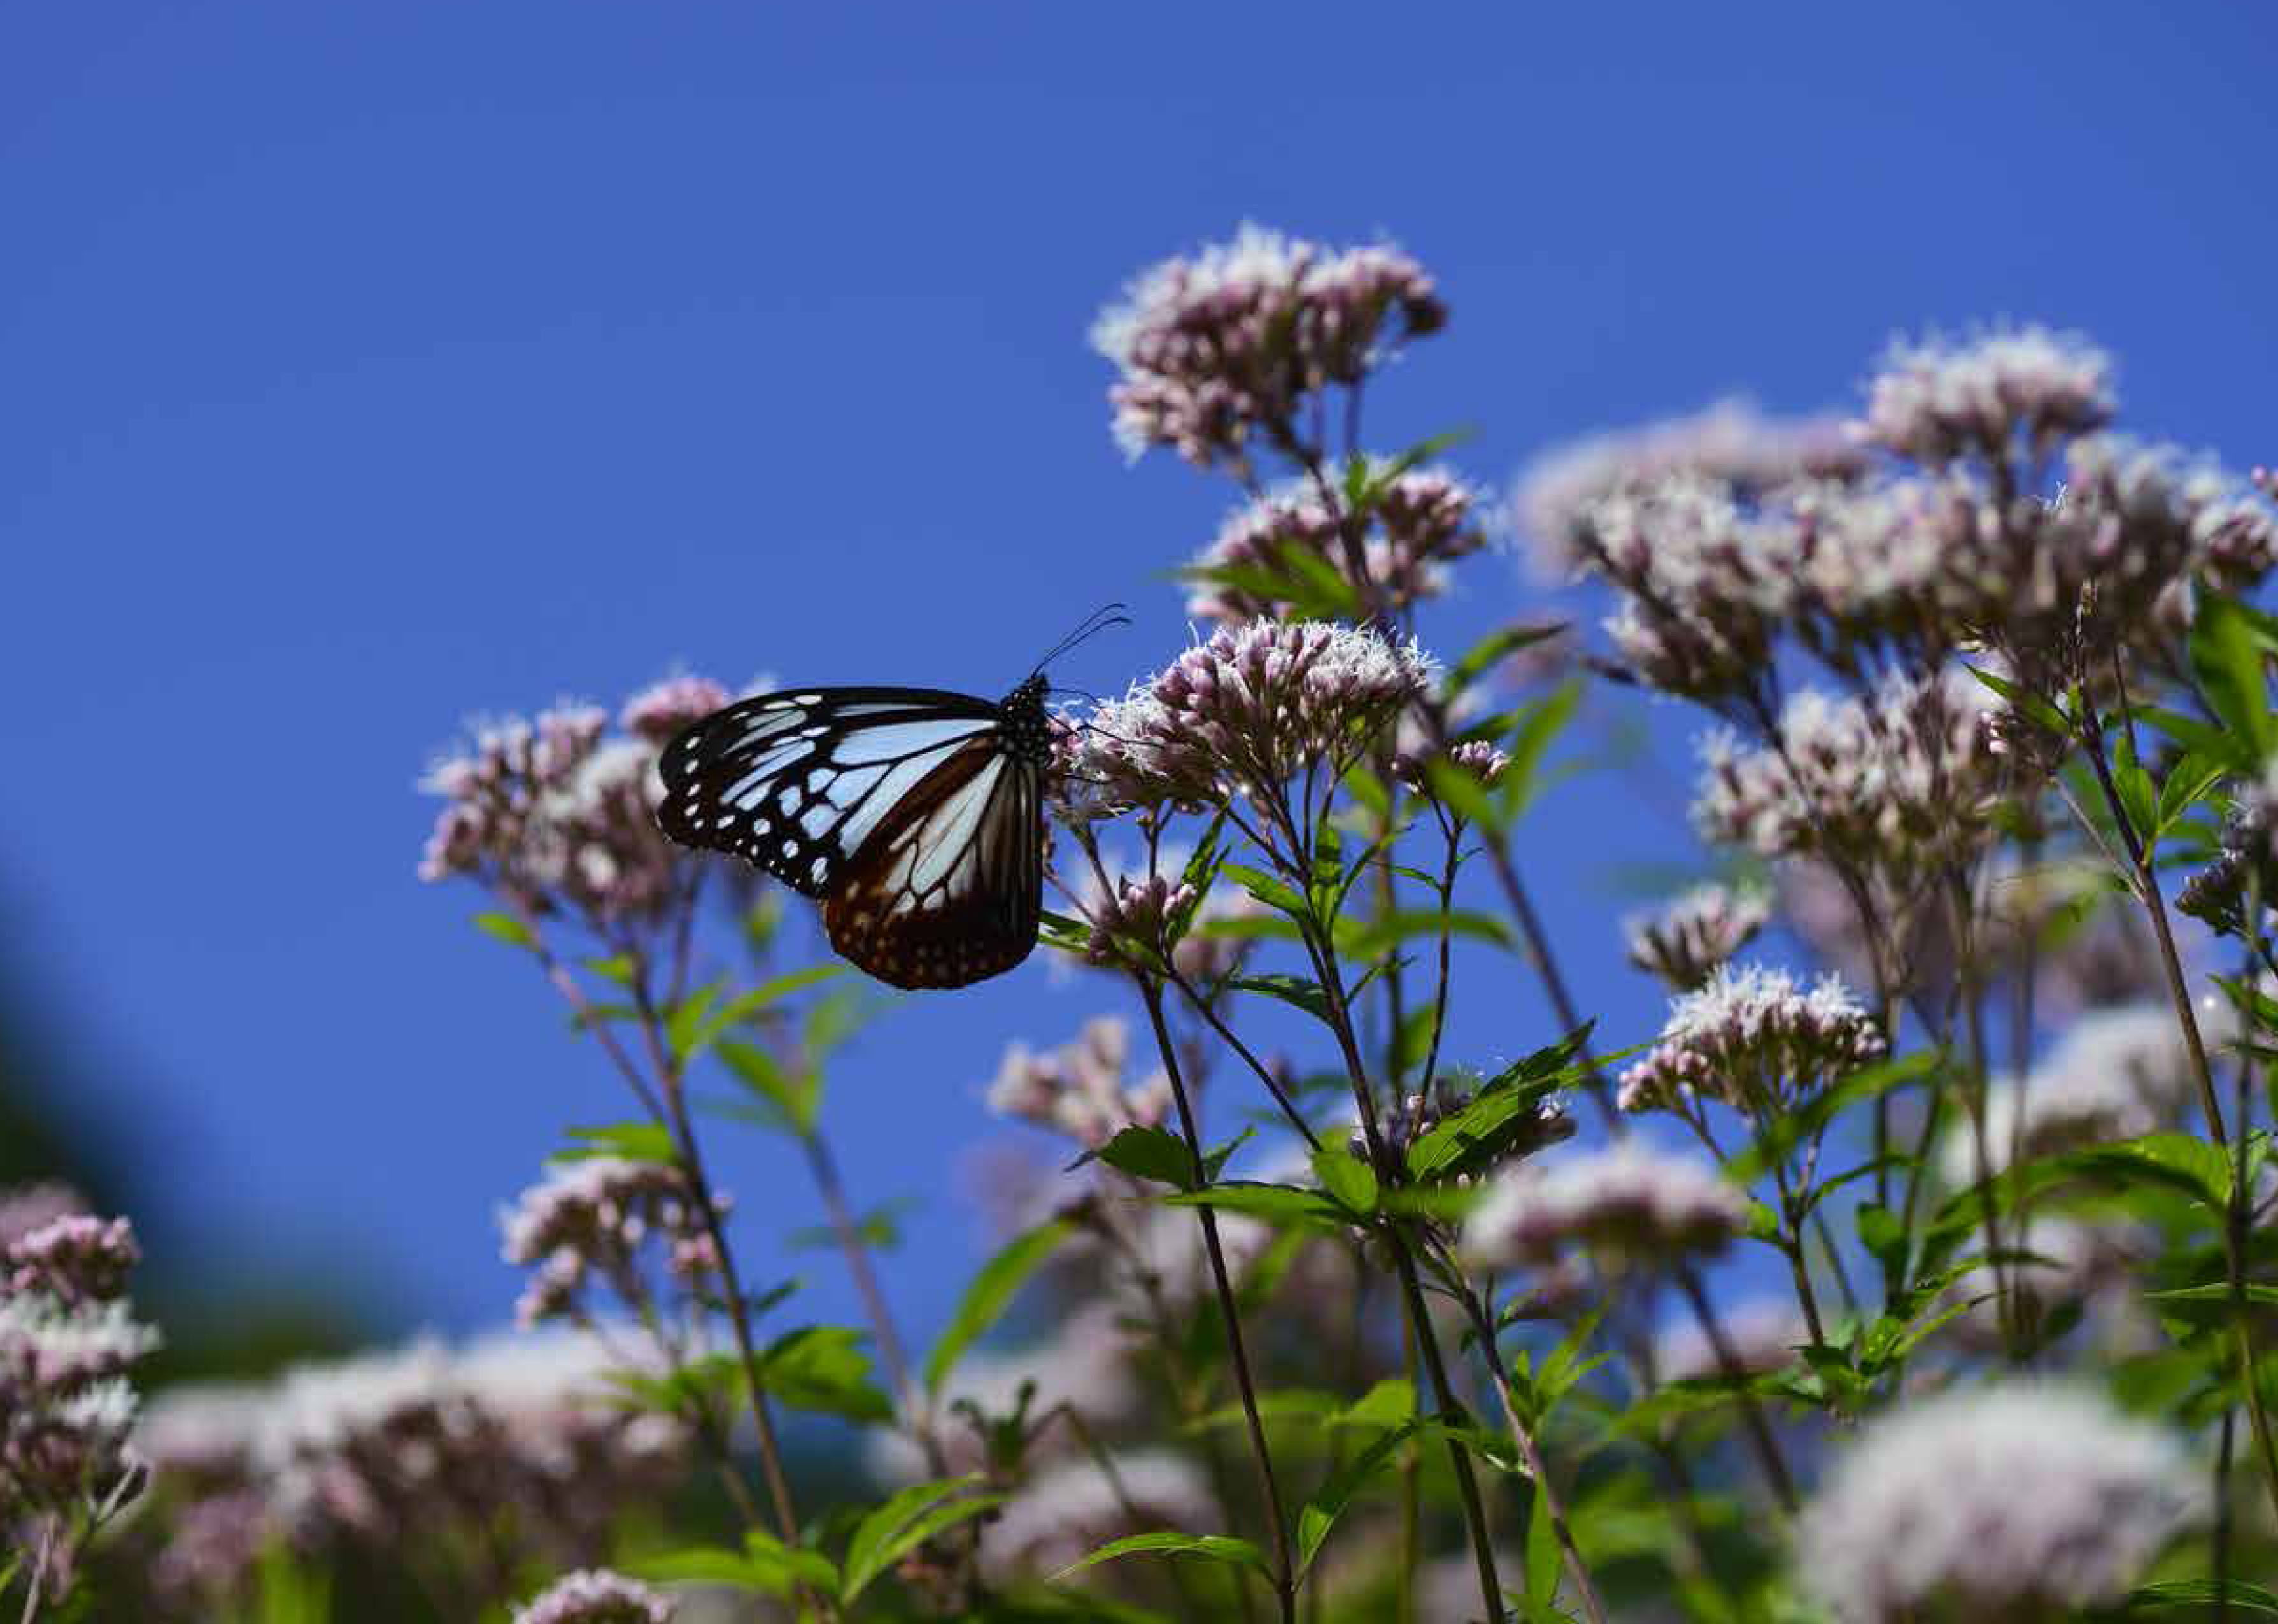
(2115, 1074)
(1933, 400)
(1624, 1204)
(2013, 1501)
(1753, 1038)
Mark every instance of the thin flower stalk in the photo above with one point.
(1285, 1588)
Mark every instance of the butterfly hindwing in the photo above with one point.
(795, 782)
(949, 888)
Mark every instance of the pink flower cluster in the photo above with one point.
(1421, 521)
(555, 813)
(1246, 712)
(1730, 444)
(1218, 347)
(1624, 1204)
(1891, 781)
(590, 1219)
(1935, 401)
(69, 1341)
(521, 1445)
(1756, 1040)
(1698, 931)
(1078, 1089)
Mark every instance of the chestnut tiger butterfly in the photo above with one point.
(916, 816)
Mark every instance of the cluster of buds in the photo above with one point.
(1416, 1114)
(2248, 860)
(1625, 1205)
(1481, 760)
(522, 1444)
(1419, 521)
(69, 1341)
(1893, 781)
(1250, 709)
(555, 813)
(1754, 1040)
(590, 1219)
(1685, 941)
(1078, 1089)
(1219, 348)
(1123, 908)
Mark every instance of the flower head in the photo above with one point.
(1697, 931)
(595, 1596)
(1248, 710)
(556, 814)
(1753, 1038)
(2012, 1501)
(663, 709)
(1622, 1204)
(1078, 1089)
(76, 1258)
(1934, 400)
(589, 1218)
(1420, 520)
(1892, 781)
(1219, 347)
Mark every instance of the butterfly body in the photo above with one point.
(914, 815)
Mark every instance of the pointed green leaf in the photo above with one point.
(989, 1292)
(1216, 1547)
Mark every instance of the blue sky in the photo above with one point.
(365, 366)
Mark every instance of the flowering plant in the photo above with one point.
(1915, 1267)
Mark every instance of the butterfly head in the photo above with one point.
(1026, 730)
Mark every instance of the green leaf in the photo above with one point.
(2189, 782)
(1275, 893)
(1296, 991)
(2133, 784)
(1503, 1108)
(1320, 1513)
(1388, 1404)
(1539, 725)
(1216, 1547)
(1153, 1153)
(2201, 738)
(766, 1565)
(1390, 930)
(1541, 1553)
(2177, 1161)
(1347, 1178)
(2043, 714)
(617, 967)
(1884, 1237)
(906, 1522)
(686, 1017)
(824, 1368)
(1275, 1203)
(1491, 651)
(792, 1101)
(507, 929)
(2200, 1593)
(1465, 796)
(635, 1141)
(990, 1291)
(2226, 657)
(743, 1005)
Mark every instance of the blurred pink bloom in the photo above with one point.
(1694, 933)
(1730, 444)
(2018, 1501)
(1624, 1203)
(1933, 400)
(589, 1218)
(1422, 521)
(663, 709)
(1078, 1089)
(75, 1258)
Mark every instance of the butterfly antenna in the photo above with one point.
(1098, 621)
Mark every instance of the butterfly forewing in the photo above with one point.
(795, 782)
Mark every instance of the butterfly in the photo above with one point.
(916, 816)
